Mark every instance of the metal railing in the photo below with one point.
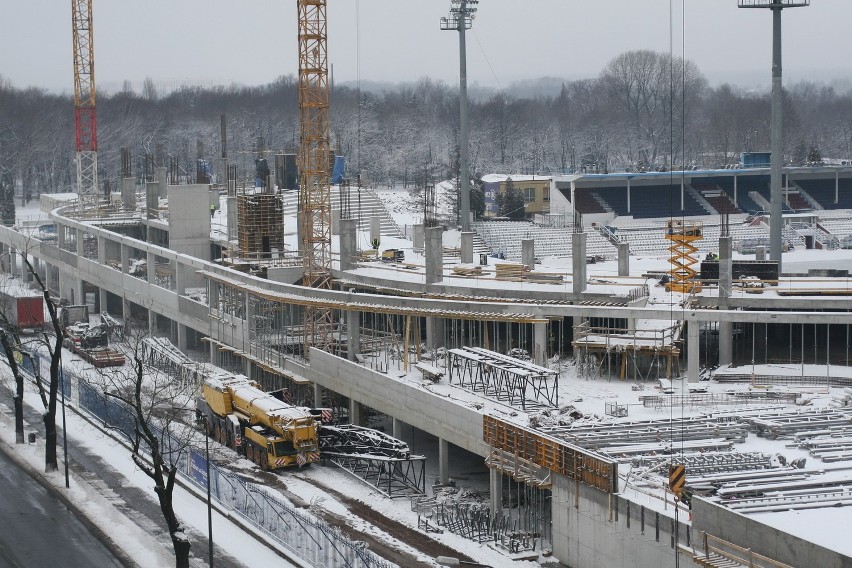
(308, 538)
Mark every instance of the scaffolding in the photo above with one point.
(682, 234)
(260, 228)
(639, 354)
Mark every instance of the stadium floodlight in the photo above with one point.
(462, 13)
(773, 3)
(776, 224)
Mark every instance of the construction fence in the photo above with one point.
(308, 539)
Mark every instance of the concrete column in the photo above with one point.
(356, 413)
(692, 350)
(151, 199)
(726, 328)
(528, 253)
(443, 461)
(578, 260)
(162, 181)
(540, 340)
(78, 244)
(102, 257)
(181, 337)
(628, 195)
(231, 220)
(434, 255)
(214, 353)
(495, 483)
(128, 194)
(353, 334)
(434, 333)
(102, 299)
(419, 236)
(397, 428)
(151, 266)
(467, 247)
(125, 258)
(79, 291)
(317, 395)
(13, 261)
(335, 221)
(760, 253)
(375, 229)
(125, 311)
(152, 322)
(624, 259)
(348, 243)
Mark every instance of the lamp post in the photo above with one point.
(209, 508)
(776, 223)
(460, 19)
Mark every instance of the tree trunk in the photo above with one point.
(50, 461)
(181, 546)
(19, 413)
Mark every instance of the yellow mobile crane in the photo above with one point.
(270, 432)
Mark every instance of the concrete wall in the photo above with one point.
(599, 533)
(420, 408)
(189, 220)
(773, 543)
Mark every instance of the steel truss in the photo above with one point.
(380, 460)
(506, 378)
(392, 477)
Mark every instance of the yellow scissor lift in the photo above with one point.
(682, 276)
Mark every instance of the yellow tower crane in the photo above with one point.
(314, 178)
(85, 119)
(682, 275)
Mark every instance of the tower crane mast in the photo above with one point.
(314, 161)
(85, 119)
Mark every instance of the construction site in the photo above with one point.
(595, 387)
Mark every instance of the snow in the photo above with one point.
(589, 396)
(148, 547)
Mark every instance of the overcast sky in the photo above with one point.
(254, 41)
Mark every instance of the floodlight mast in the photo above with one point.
(460, 19)
(776, 223)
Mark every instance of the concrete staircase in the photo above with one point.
(369, 205)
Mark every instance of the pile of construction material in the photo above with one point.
(520, 273)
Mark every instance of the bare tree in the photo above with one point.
(10, 341)
(52, 338)
(160, 428)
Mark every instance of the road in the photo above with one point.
(37, 529)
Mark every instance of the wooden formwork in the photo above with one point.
(557, 456)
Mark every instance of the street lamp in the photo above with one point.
(460, 19)
(777, 142)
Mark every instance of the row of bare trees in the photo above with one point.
(158, 410)
(644, 109)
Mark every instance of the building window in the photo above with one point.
(529, 194)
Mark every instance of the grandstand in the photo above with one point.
(824, 191)
(505, 237)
